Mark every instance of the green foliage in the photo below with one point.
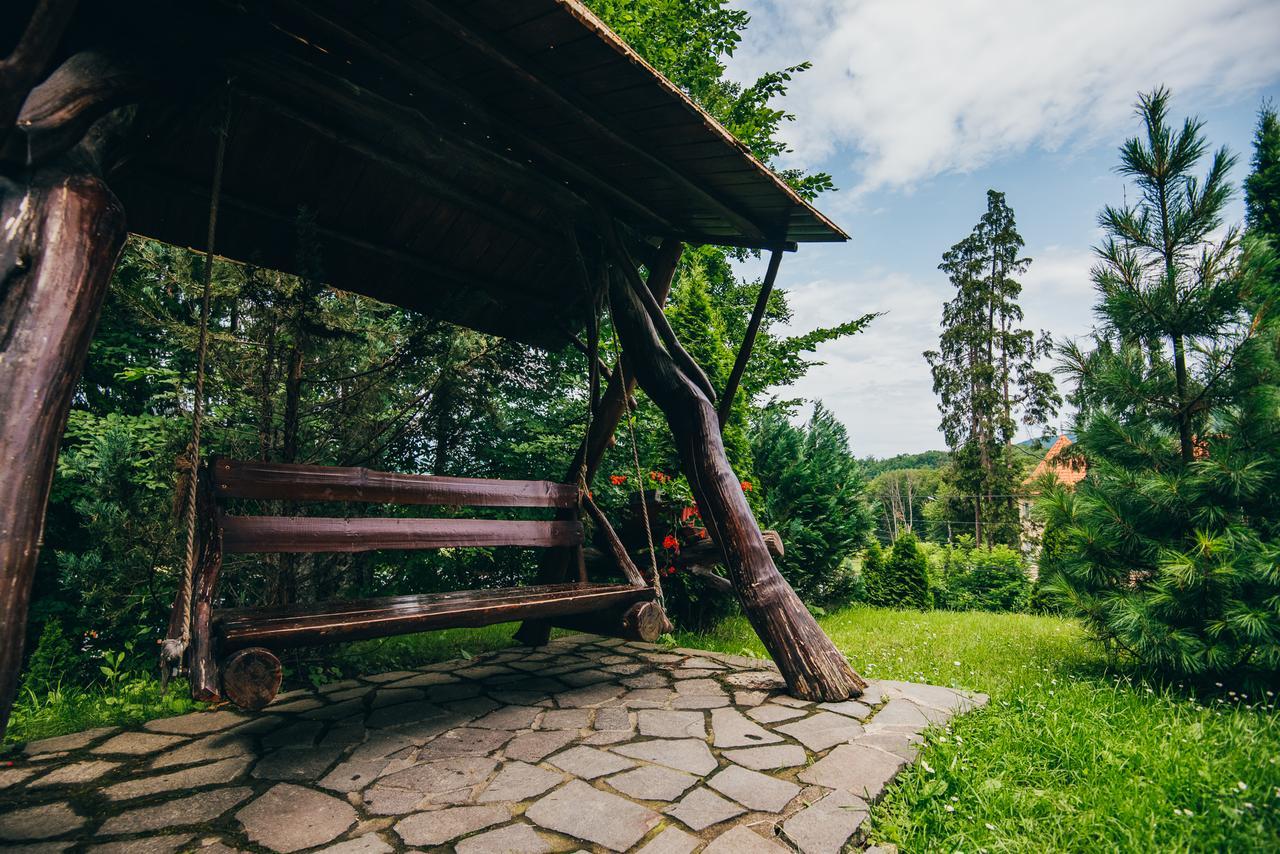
(903, 581)
(1173, 541)
(984, 371)
(981, 579)
(923, 460)
(1262, 187)
(814, 495)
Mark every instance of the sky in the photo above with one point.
(918, 107)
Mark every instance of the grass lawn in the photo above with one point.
(1069, 755)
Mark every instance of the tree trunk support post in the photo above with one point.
(812, 666)
(749, 339)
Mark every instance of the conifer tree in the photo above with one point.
(906, 575)
(1171, 545)
(984, 369)
(1262, 187)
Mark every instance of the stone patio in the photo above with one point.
(589, 744)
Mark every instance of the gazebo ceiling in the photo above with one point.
(442, 149)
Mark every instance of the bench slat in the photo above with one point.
(257, 534)
(332, 622)
(299, 482)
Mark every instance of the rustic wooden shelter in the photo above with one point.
(506, 166)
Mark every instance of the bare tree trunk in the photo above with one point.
(811, 664)
(62, 234)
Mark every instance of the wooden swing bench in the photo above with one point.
(233, 651)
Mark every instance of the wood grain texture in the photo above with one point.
(296, 534)
(296, 482)
(643, 621)
(251, 677)
(331, 622)
(811, 664)
(60, 234)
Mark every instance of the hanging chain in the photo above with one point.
(175, 648)
(635, 452)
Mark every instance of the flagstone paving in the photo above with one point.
(588, 744)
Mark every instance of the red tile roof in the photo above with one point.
(1067, 470)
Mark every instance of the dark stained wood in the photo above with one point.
(616, 549)
(60, 234)
(643, 621)
(251, 677)
(811, 664)
(203, 653)
(296, 482)
(29, 60)
(260, 534)
(749, 339)
(397, 615)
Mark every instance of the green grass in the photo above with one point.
(1069, 755)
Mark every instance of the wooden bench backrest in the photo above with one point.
(293, 482)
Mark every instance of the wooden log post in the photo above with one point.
(251, 677)
(812, 666)
(643, 621)
(60, 234)
(605, 420)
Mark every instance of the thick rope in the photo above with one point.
(174, 650)
(635, 454)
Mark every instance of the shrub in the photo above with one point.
(986, 580)
(873, 577)
(906, 575)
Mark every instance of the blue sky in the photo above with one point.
(918, 107)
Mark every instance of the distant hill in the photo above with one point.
(923, 460)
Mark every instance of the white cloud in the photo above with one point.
(916, 88)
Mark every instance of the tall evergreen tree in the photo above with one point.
(984, 369)
(1171, 545)
(1262, 187)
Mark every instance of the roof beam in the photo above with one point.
(501, 58)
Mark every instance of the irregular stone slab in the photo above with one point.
(587, 813)
(788, 700)
(511, 839)
(344, 735)
(693, 674)
(536, 746)
(582, 678)
(296, 763)
(648, 698)
(862, 771)
(565, 719)
(823, 730)
(653, 783)
(208, 749)
(384, 800)
(13, 776)
(196, 723)
(754, 790)
(673, 840)
(757, 680)
(424, 680)
(648, 680)
(851, 708)
(683, 754)
(443, 781)
(613, 719)
(137, 743)
(732, 729)
(345, 709)
(772, 756)
(702, 808)
(370, 843)
(297, 734)
(905, 716)
(740, 840)
(519, 781)
(825, 826)
(699, 687)
(220, 772)
(701, 664)
(902, 744)
(194, 809)
(39, 822)
(465, 742)
(150, 845)
(589, 763)
(395, 696)
(305, 704)
(592, 695)
(441, 826)
(75, 773)
(290, 818)
(700, 701)
(390, 676)
(509, 717)
(749, 698)
(772, 713)
(665, 723)
(933, 696)
(72, 741)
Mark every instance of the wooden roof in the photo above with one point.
(445, 149)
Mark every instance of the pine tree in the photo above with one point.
(1171, 545)
(984, 369)
(1262, 187)
(906, 575)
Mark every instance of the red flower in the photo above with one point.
(670, 542)
(746, 486)
(671, 570)
(617, 479)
